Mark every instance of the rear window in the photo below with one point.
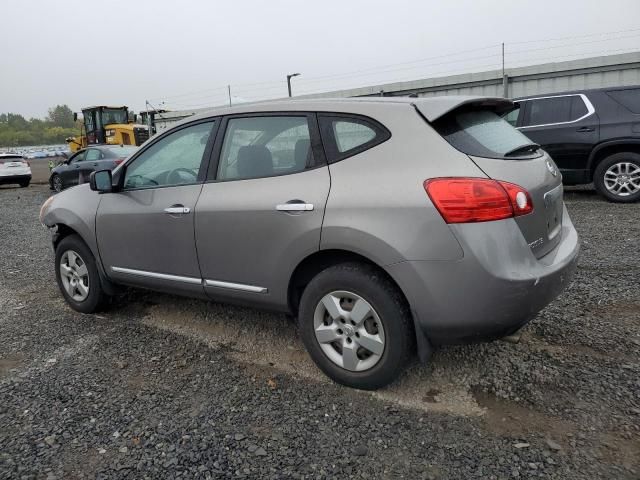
(481, 133)
(629, 98)
(11, 158)
(123, 151)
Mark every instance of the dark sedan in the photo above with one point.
(79, 166)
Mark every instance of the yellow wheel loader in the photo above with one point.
(107, 125)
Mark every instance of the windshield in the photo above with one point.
(113, 115)
(482, 133)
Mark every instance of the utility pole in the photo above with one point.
(146, 106)
(505, 78)
(289, 77)
(229, 90)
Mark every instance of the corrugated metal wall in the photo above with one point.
(596, 72)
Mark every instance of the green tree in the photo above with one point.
(61, 116)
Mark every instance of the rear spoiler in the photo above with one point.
(434, 108)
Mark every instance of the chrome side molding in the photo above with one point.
(161, 276)
(191, 280)
(235, 286)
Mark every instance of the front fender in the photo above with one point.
(76, 209)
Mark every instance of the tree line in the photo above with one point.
(17, 131)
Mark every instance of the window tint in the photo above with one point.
(265, 146)
(344, 136)
(350, 134)
(629, 98)
(79, 157)
(482, 133)
(93, 154)
(554, 110)
(173, 160)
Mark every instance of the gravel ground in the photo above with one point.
(162, 387)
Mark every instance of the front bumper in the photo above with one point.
(497, 286)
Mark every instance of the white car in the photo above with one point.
(14, 169)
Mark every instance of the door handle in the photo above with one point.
(585, 129)
(177, 210)
(294, 207)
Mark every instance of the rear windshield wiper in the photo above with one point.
(528, 147)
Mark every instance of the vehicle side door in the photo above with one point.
(261, 210)
(71, 170)
(567, 127)
(90, 163)
(145, 230)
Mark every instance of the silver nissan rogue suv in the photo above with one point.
(385, 226)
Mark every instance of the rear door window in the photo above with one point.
(481, 133)
(93, 154)
(545, 111)
(344, 136)
(265, 146)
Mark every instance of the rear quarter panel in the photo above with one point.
(377, 205)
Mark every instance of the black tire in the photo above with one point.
(25, 184)
(96, 298)
(56, 183)
(601, 170)
(390, 306)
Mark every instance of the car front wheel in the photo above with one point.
(356, 325)
(617, 177)
(77, 275)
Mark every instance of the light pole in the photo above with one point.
(289, 77)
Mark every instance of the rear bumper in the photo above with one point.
(496, 288)
(14, 178)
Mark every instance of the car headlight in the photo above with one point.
(110, 132)
(43, 208)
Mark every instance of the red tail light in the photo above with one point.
(467, 200)
(119, 161)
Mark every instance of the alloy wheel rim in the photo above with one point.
(74, 275)
(623, 179)
(349, 331)
(57, 184)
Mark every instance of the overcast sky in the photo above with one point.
(184, 53)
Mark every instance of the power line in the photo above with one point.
(573, 37)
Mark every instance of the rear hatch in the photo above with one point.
(504, 153)
(13, 165)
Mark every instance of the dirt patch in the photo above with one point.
(511, 419)
(271, 341)
(9, 363)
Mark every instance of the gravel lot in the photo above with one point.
(161, 386)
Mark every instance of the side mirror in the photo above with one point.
(101, 181)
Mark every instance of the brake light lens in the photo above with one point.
(469, 200)
(118, 161)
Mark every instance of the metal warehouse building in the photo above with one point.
(594, 72)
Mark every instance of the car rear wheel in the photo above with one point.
(25, 184)
(356, 325)
(77, 275)
(617, 177)
(56, 183)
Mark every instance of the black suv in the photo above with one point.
(593, 136)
